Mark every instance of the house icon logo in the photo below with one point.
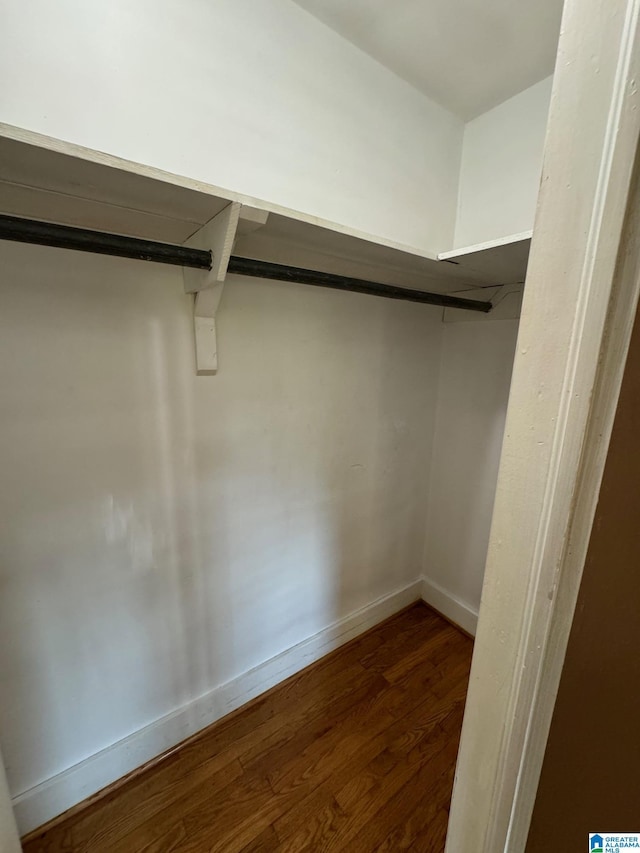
(596, 843)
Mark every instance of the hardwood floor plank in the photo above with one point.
(347, 736)
(396, 642)
(243, 809)
(362, 809)
(211, 815)
(266, 842)
(416, 656)
(361, 799)
(169, 842)
(293, 778)
(388, 747)
(120, 818)
(397, 805)
(433, 837)
(355, 753)
(323, 823)
(423, 816)
(291, 738)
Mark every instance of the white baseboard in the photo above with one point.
(450, 606)
(50, 798)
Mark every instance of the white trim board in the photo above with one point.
(580, 300)
(451, 607)
(50, 798)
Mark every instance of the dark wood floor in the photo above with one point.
(356, 753)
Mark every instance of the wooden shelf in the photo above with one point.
(502, 261)
(46, 179)
(38, 183)
(293, 242)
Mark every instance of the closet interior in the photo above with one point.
(258, 320)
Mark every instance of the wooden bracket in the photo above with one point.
(218, 235)
(204, 323)
(511, 293)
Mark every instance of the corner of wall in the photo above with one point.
(450, 606)
(455, 240)
(432, 450)
(501, 166)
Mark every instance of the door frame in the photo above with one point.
(580, 301)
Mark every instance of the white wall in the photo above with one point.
(256, 96)
(162, 533)
(501, 166)
(473, 389)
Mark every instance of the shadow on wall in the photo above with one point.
(477, 361)
(163, 533)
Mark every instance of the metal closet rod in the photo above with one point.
(84, 240)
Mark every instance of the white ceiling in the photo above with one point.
(468, 55)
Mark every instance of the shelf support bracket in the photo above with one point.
(204, 326)
(216, 235)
